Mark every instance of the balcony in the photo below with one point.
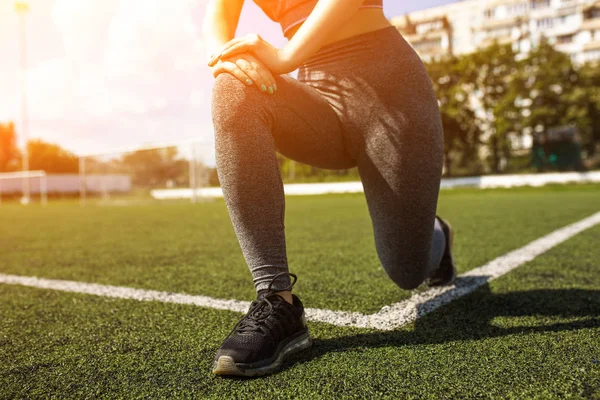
(490, 24)
(431, 35)
(590, 24)
(559, 30)
(593, 45)
(569, 48)
(501, 40)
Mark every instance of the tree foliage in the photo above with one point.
(461, 134)
(10, 157)
(587, 98)
(491, 72)
(51, 158)
(156, 167)
(550, 82)
(491, 97)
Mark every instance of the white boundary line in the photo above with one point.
(388, 318)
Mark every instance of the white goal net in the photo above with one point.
(25, 185)
(181, 170)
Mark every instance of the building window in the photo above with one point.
(545, 23)
(429, 26)
(489, 13)
(428, 45)
(564, 39)
(538, 4)
(591, 13)
(518, 9)
(499, 32)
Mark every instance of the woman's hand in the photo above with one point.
(248, 69)
(273, 58)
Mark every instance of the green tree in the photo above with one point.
(9, 152)
(586, 106)
(51, 158)
(461, 130)
(493, 69)
(550, 89)
(156, 167)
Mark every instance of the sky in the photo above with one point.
(112, 74)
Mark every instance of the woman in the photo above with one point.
(362, 98)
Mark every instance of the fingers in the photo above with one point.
(260, 75)
(239, 48)
(235, 46)
(248, 72)
(214, 58)
(267, 76)
(233, 69)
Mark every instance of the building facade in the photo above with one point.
(573, 26)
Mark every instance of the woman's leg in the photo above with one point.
(249, 127)
(402, 199)
(400, 164)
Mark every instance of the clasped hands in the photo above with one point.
(253, 61)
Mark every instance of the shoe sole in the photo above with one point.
(226, 366)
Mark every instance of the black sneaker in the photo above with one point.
(446, 273)
(271, 330)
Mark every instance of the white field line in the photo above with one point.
(388, 318)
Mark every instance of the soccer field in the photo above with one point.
(532, 333)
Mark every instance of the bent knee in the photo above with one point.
(232, 99)
(409, 282)
(406, 275)
(225, 84)
(228, 89)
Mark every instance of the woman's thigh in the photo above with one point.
(399, 159)
(306, 128)
(302, 124)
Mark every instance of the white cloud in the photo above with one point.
(149, 37)
(82, 25)
(51, 88)
(107, 74)
(128, 74)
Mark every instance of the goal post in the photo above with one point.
(187, 165)
(13, 183)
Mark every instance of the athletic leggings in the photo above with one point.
(366, 101)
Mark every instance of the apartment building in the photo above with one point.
(573, 26)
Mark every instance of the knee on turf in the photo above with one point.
(405, 276)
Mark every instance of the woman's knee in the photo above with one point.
(232, 97)
(406, 281)
(407, 274)
(234, 102)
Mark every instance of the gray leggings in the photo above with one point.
(366, 101)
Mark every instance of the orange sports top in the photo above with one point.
(290, 13)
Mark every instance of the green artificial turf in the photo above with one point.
(188, 248)
(534, 333)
